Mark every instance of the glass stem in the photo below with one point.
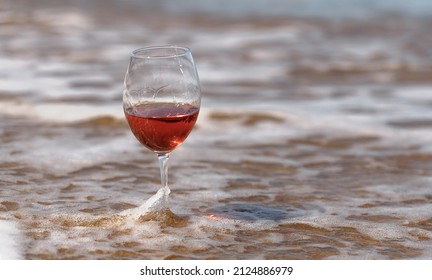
(163, 164)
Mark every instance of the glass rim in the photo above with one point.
(146, 52)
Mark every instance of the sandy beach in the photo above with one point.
(313, 139)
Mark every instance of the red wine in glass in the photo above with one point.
(161, 100)
(161, 127)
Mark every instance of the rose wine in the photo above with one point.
(161, 127)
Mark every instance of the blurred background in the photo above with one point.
(72, 48)
(58, 58)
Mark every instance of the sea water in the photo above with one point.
(313, 140)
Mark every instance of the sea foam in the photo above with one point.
(8, 241)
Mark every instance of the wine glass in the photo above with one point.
(161, 100)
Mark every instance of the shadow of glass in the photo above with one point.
(250, 212)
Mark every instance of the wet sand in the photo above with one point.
(313, 141)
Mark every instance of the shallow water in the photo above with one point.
(312, 142)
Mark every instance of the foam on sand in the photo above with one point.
(155, 203)
(8, 235)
